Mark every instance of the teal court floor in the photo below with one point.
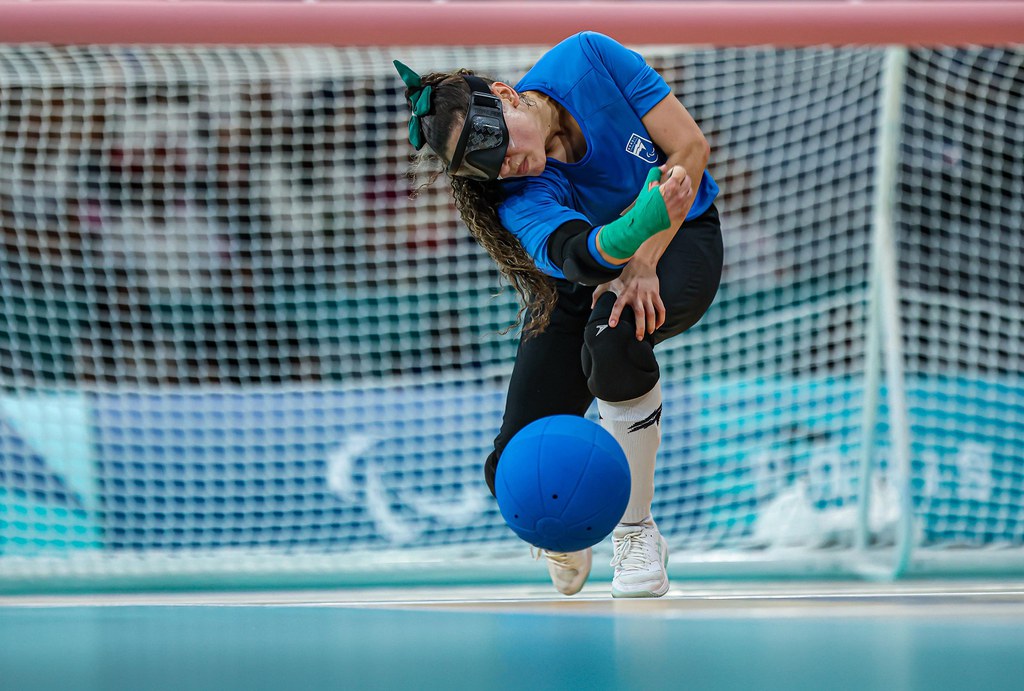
(928, 635)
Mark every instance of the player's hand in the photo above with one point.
(677, 190)
(637, 287)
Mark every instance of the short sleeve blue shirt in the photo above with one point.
(607, 88)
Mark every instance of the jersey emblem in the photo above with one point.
(600, 328)
(642, 148)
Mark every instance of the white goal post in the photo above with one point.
(236, 350)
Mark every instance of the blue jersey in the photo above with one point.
(607, 88)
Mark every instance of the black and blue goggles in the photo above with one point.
(484, 138)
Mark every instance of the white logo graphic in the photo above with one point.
(600, 328)
(642, 148)
(366, 487)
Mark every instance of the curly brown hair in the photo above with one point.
(477, 202)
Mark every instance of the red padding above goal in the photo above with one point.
(494, 23)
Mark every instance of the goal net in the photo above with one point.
(240, 345)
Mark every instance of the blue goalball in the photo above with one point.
(562, 483)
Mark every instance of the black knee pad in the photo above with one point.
(618, 367)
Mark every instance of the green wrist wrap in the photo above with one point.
(622, 237)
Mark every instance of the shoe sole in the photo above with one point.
(656, 592)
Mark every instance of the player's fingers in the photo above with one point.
(652, 317)
(682, 180)
(598, 292)
(613, 319)
(672, 183)
(659, 308)
(677, 172)
(641, 319)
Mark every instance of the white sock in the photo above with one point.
(636, 425)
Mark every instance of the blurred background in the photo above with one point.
(242, 338)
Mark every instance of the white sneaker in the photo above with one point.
(641, 555)
(569, 570)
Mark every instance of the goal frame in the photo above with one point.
(703, 22)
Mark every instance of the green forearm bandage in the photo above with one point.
(622, 237)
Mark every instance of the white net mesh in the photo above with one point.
(233, 347)
(960, 222)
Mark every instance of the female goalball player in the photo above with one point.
(586, 183)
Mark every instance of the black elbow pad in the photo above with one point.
(587, 273)
(569, 251)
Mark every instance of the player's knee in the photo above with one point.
(618, 367)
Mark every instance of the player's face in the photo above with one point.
(526, 154)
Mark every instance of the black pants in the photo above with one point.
(548, 377)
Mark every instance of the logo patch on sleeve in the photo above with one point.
(642, 148)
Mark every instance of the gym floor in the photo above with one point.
(929, 635)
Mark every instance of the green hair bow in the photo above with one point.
(419, 99)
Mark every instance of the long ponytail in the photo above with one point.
(477, 203)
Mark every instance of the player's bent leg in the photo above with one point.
(689, 275)
(623, 373)
(640, 560)
(569, 570)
